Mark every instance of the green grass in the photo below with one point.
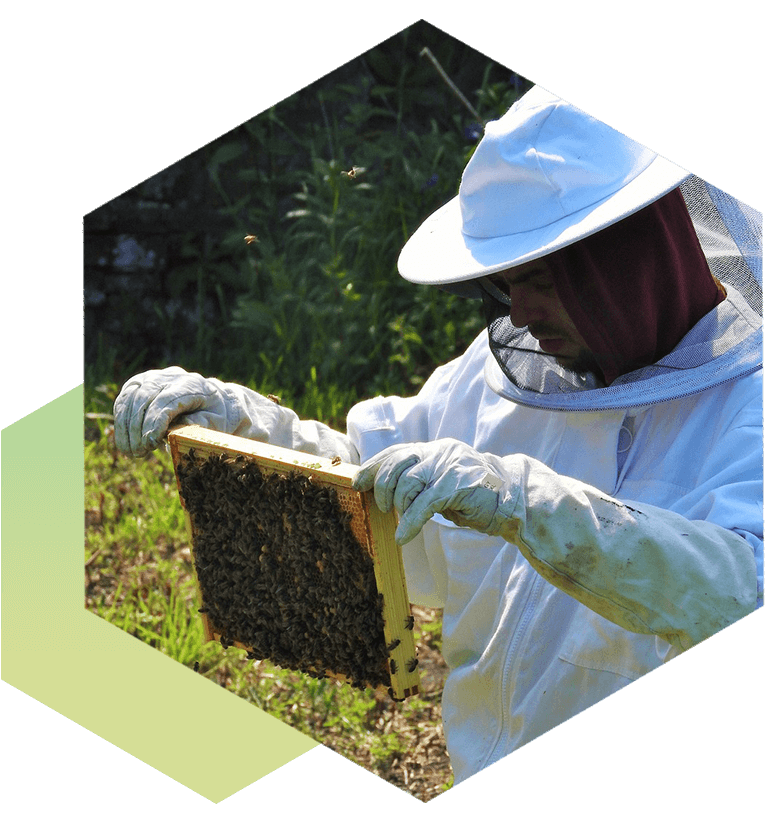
(139, 577)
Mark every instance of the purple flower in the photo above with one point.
(474, 131)
(430, 182)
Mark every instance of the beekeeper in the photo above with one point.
(580, 491)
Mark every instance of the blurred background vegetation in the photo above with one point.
(315, 301)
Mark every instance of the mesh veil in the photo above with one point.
(724, 344)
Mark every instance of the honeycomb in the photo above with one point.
(284, 568)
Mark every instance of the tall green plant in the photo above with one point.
(332, 181)
(324, 292)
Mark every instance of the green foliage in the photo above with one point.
(325, 295)
(332, 182)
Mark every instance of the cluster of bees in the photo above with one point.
(280, 571)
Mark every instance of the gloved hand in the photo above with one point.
(644, 568)
(150, 402)
(444, 477)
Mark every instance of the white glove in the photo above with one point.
(443, 477)
(150, 402)
(646, 569)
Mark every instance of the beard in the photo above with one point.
(582, 364)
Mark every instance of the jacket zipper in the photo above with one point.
(521, 629)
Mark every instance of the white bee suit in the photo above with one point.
(525, 655)
(628, 524)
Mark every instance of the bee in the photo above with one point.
(330, 613)
(251, 239)
(411, 665)
(336, 460)
(392, 665)
(392, 695)
(409, 623)
(196, 666)
(274, 398)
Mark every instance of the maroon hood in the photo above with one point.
(634, 289)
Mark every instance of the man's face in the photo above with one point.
(535, 304)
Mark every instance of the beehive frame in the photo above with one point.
(373, 530)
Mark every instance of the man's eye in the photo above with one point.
(542, 286)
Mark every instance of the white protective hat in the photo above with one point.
(544, 175)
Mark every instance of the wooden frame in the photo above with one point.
(373, 529)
